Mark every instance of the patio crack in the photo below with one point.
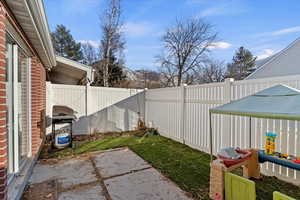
(130, 172)
(101, 180)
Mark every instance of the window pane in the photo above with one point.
(22, 104)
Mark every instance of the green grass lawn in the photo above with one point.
(187, 167)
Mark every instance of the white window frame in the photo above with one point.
(15, 164)
(29, 107)
(10, 109)
(15, 109)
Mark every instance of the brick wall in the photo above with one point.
(38, 96)
(38, 103)
(3, 135)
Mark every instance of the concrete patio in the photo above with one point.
(109, 175)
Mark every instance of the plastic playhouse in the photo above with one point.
(248, 159)
(224, 185)
(278, 102)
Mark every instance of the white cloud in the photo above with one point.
(266, 53)
(220, 45)
(95, 44)
(267, 36)
(294, 29)
(137, 29)
(211, 11)
(223, 7)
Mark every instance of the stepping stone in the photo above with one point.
(89, 192)
(114, 163)
(147, 184)
(68, 172)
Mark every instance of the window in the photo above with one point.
(18, 103)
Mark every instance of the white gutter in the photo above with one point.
(40, 23)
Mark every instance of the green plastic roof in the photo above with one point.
(278, 102)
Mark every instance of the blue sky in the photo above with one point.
(263, 26)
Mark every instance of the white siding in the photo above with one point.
(284, 64)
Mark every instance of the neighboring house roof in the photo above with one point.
(70, 72)
(283, 63)
(261, 62)
(32, 18)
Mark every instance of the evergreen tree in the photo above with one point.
(65, 45)
(243, 64)
(115, 73)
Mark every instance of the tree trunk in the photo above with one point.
(106, 74)
(179, 76)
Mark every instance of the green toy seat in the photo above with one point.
(280, 196)
(239, 188)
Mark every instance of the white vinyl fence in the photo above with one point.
(84, 100)
(182, 113)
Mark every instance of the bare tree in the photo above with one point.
(112, 41)
(213, 71)
(90, 53)
(185, 49)
(168, 74)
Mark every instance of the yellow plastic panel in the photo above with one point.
(280, 196)
(239, 188)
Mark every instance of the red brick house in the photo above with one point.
(26, 53)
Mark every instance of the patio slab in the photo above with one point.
(147, 184)
(114, 163)
(107, 175)
(83, 193)
(67, 173)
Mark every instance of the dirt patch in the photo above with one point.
(48, 152)
(46, 190)
(97, 136)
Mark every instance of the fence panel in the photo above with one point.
(182, 113)
(72, 96)
(163, 110)
(75, 97)
(198, 100)
(100, 97)
(86, 100)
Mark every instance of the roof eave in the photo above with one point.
(39, 16)
(77, 65)
(41, 41)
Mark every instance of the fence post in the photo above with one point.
(145, 107)
(227, 94)
(182, 114)
(86, 99)
(227, 118)
(88, 110)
